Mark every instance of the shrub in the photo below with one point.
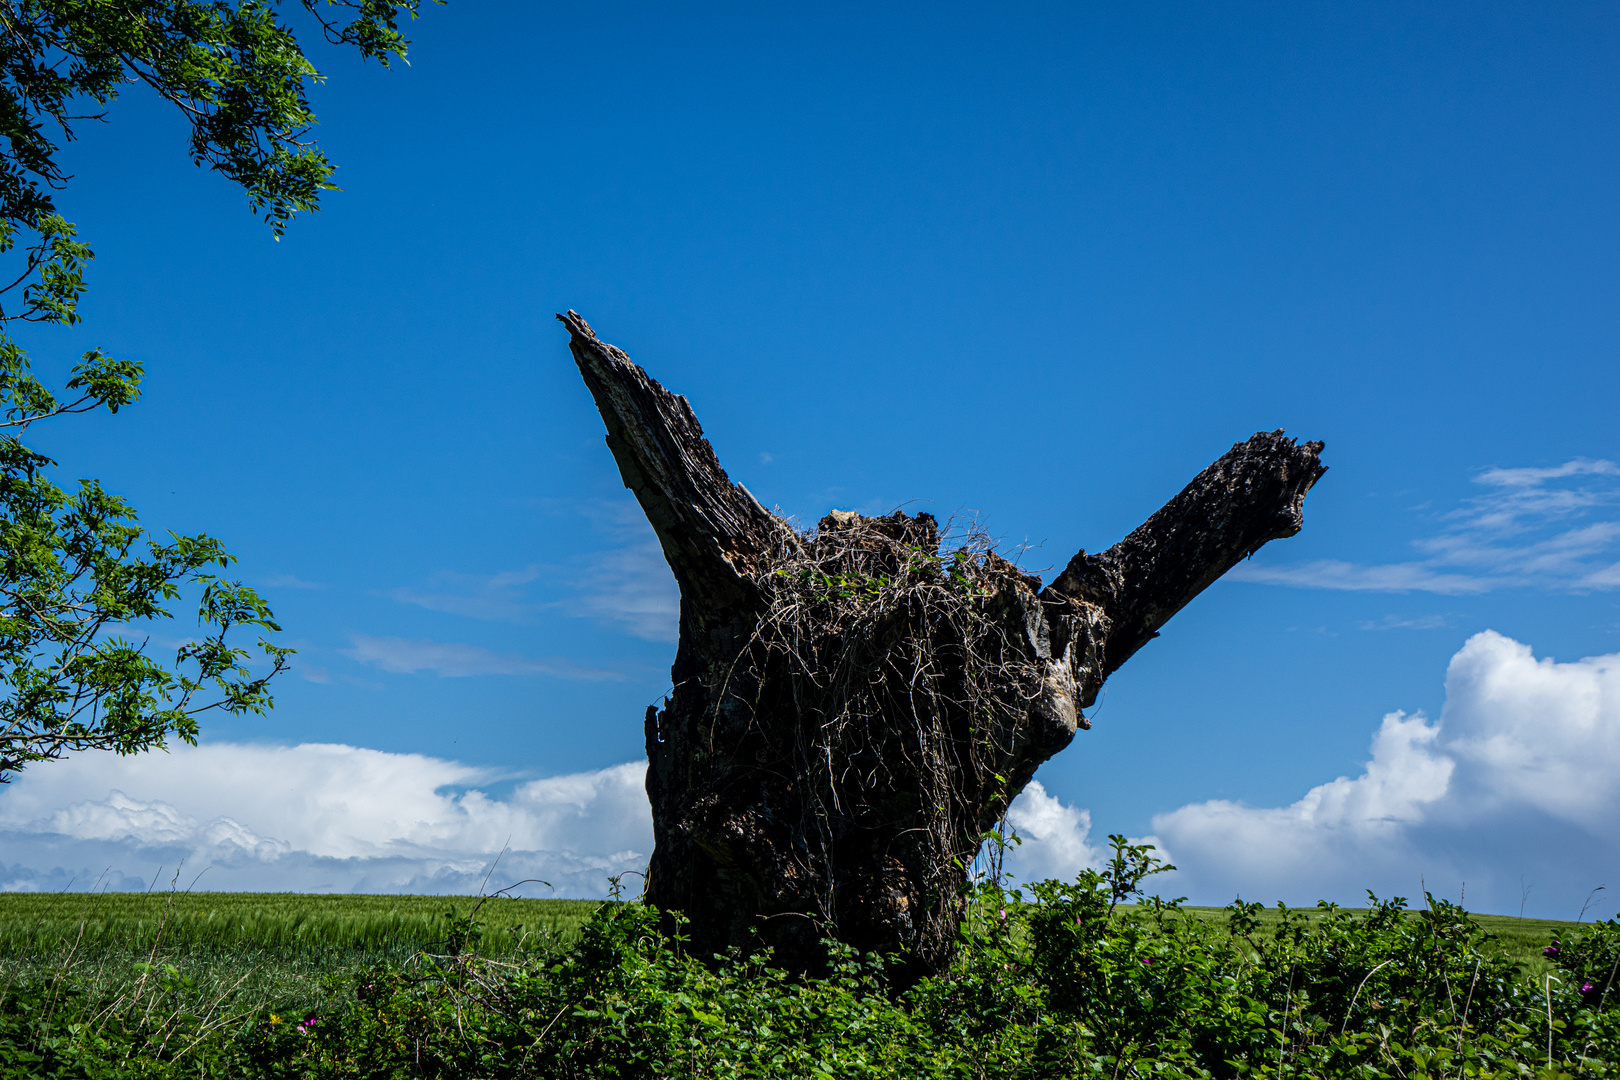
(1084, 978)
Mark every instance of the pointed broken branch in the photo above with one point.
(1251, 495)
(713, 531)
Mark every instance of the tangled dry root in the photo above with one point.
(922, 689)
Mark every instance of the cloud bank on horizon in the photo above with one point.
(316, 818)
(1514, 790)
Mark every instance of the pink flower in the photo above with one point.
(1586, 988)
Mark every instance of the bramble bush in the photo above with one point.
(1067, 979)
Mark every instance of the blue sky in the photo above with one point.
(1038, 266)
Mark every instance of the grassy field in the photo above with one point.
(315, 983)
(308, 932)
(52, 922)
(259, 948)
(1520, 939)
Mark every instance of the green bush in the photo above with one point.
(1068, 980)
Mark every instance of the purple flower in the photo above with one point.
(307, 1024)
(1551, 950)
(1586, 988)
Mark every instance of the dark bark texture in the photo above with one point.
(852, 708)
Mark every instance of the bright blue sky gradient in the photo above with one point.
(1042, 265)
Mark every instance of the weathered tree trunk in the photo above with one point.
(851, 709)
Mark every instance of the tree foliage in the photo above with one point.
(77, 573)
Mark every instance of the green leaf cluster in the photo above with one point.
(76, 575)
(79, 577)
(960, 571)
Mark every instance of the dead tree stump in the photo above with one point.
(853, 708)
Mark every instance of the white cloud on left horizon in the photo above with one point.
(315, 818)
(324, 817)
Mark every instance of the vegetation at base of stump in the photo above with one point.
(1062, 979)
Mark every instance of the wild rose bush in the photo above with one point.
(1062, 980)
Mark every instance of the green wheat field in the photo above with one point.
(262, 948)
(268, 947)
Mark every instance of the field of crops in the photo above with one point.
(90, 923)
(1518, 939)
(246, 949)
(222, 984)
(284, 942)
(39, 922)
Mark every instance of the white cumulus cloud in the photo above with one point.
(1055, 840)
(316, 817)
(1513, 793)
(1345, 834)
(1516, 786)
